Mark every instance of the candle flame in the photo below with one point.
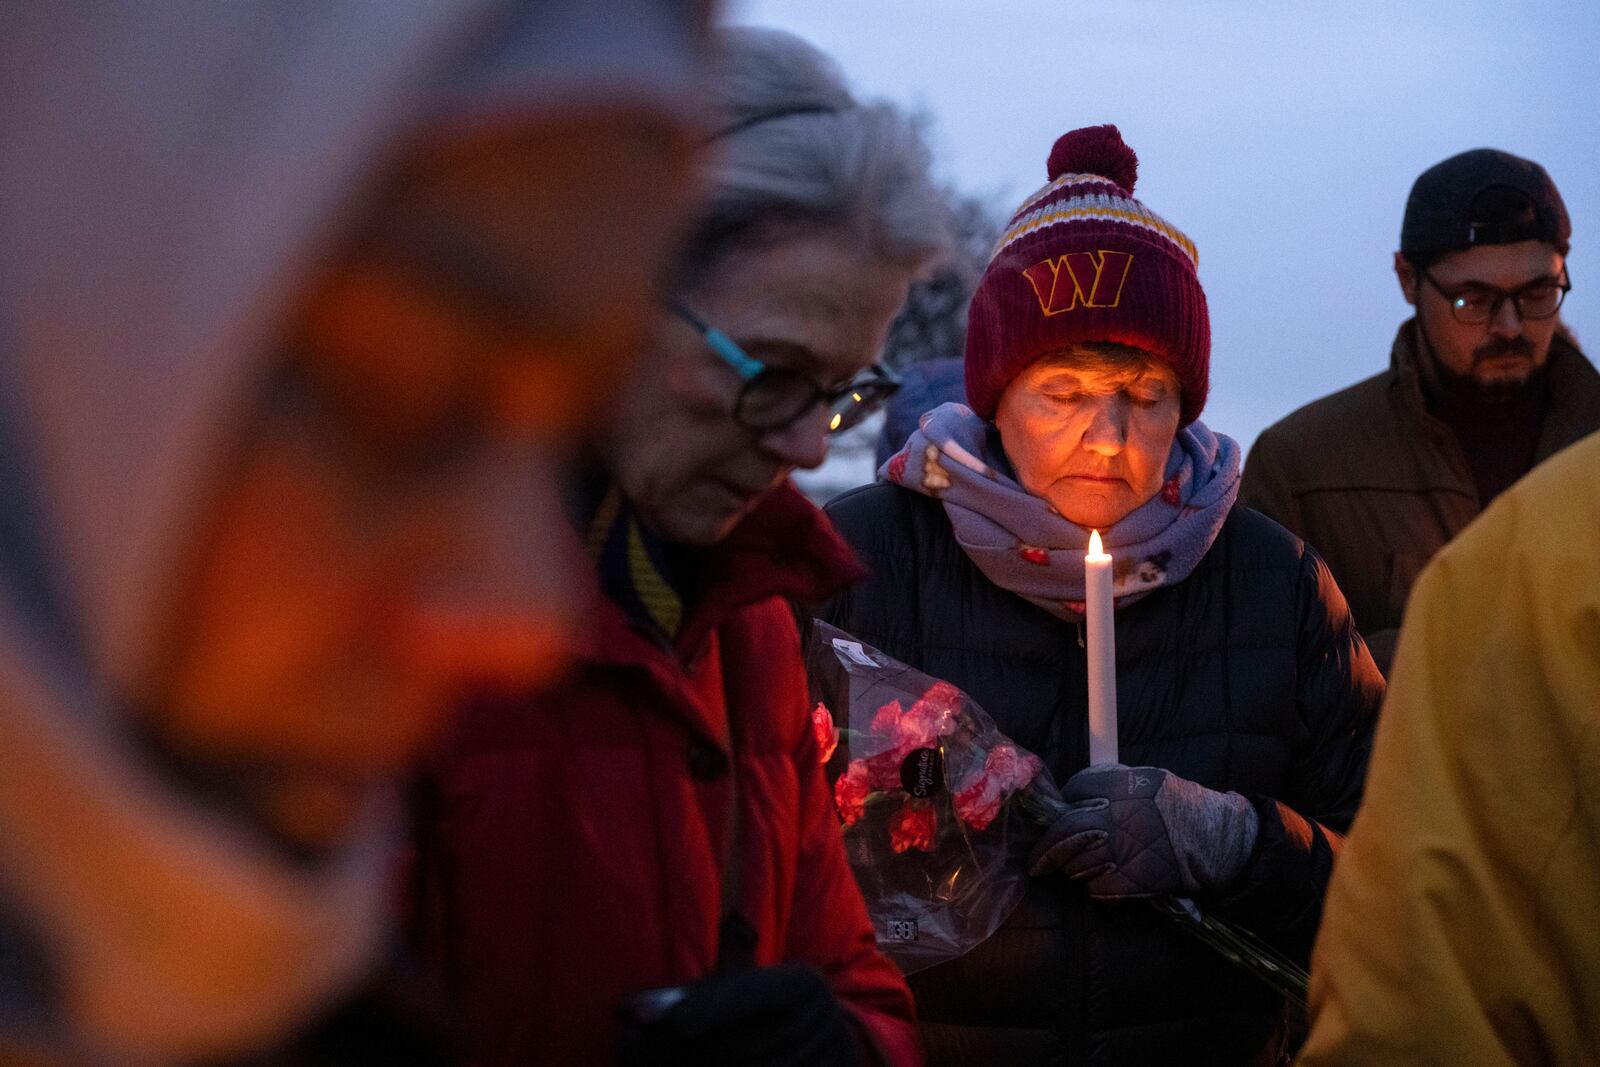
(1096, 551)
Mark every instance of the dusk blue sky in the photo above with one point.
(1283, 137)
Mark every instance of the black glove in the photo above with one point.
(763, 1015)
(1143, 831)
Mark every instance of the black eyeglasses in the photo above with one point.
(1477, 304)
(773, 397)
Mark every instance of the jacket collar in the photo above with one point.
(786, 547)
(1574, 385)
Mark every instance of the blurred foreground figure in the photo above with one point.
(1462, 925)
(646, 862)
(1482, 384)
(295, 307)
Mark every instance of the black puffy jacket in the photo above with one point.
(1247, 676)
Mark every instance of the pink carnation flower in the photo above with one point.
(886, 723)
(826, 733)
(934, 715)
(1005, 770)
(913, 826)
(979, 803)
(1013, 768)
(850, 792)
(900, 732)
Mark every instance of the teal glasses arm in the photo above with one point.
(744, 365)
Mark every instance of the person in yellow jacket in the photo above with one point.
(1463, 921)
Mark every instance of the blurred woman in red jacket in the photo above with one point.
(646, 861)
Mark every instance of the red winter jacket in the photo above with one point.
(570, 848)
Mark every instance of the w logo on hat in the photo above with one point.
(1089, 279)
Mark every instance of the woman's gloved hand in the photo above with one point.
(784, 1015)
(1143, 831)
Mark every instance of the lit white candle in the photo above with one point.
(1102, 638)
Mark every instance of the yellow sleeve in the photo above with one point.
(1462, 925)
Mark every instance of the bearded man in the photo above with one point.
(1484, 383)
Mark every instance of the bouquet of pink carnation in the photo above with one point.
(940, 810)
(934, 800)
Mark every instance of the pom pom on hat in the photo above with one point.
(1095, 150)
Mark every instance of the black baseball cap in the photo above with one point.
(1482, 197)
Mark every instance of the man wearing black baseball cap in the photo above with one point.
(1483, 383)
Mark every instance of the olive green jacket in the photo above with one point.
(1378, 485)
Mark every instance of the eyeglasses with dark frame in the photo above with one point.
(1475, 305)
(773, 397)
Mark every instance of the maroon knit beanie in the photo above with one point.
(1082, 260)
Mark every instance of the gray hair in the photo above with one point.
(796, 148)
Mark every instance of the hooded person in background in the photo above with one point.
(923, 387)
(645, 862)
(1483, 383)
(295, 308)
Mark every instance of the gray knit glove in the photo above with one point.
(1143, 831)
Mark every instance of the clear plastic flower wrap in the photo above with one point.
(939, 808)
(940, 811)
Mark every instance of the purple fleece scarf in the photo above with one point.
(1024, 545)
